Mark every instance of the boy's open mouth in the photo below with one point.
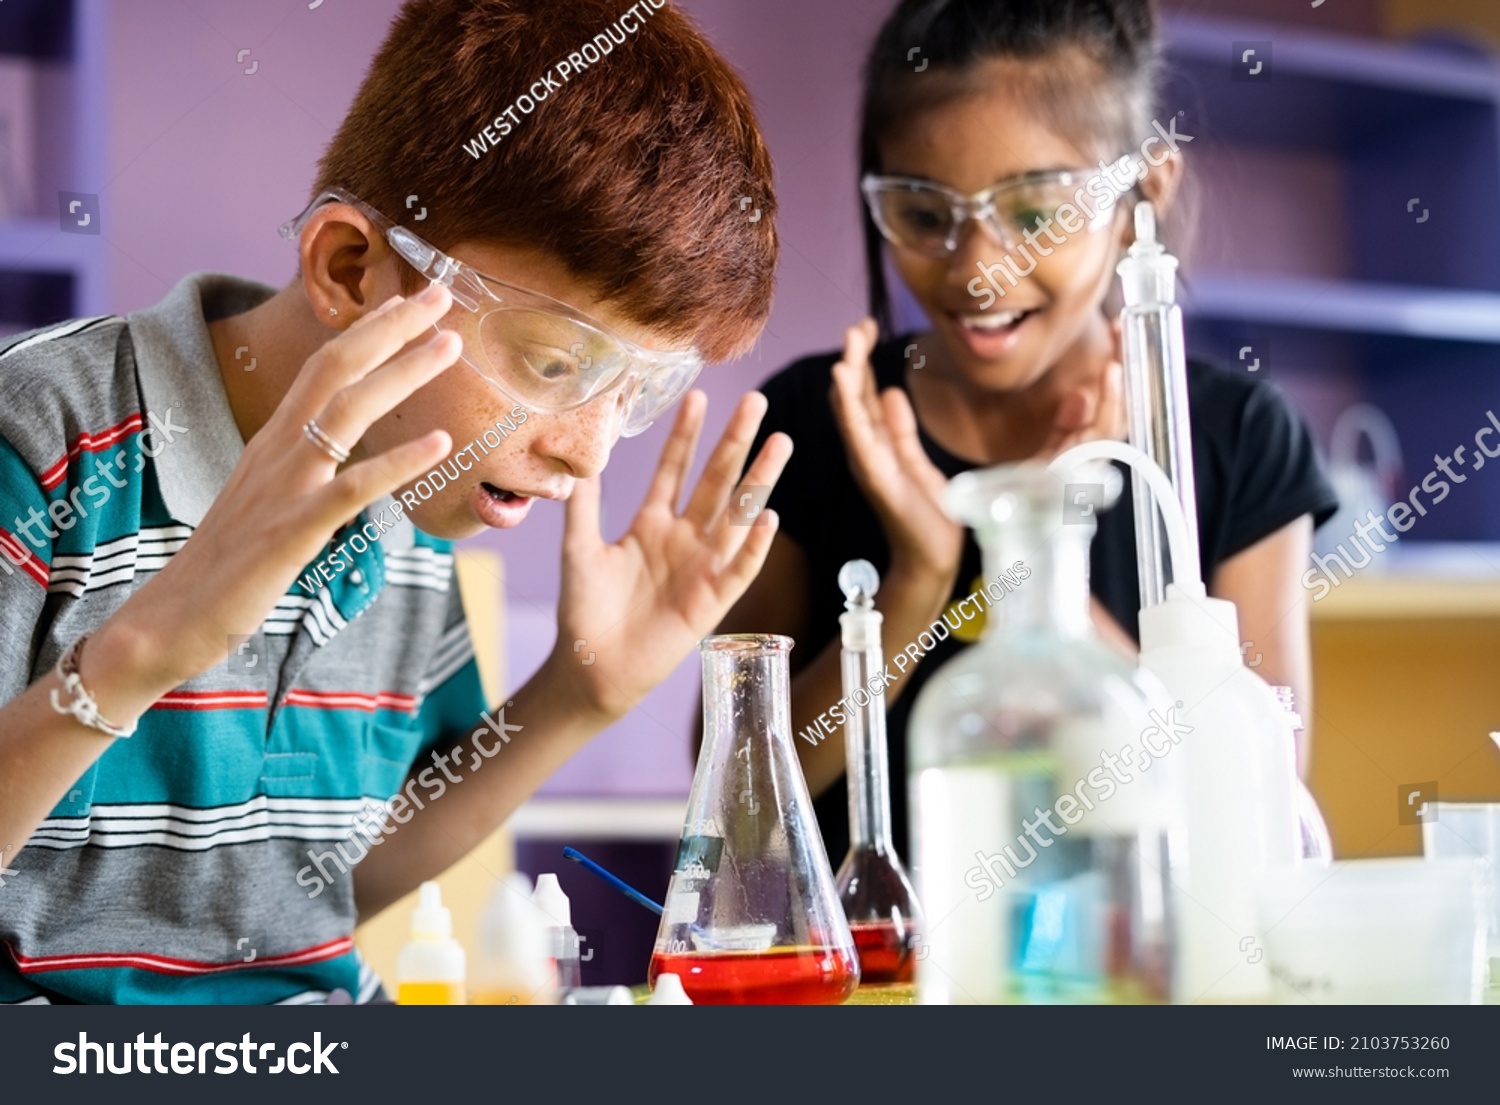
(501, 494)
(500, 508)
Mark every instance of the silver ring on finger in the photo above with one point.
(315, 433)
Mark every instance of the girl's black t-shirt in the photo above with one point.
(1256, 470)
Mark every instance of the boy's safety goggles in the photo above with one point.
(537, 350)
(927, 217)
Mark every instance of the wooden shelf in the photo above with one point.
(1410, 598)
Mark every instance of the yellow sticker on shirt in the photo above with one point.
(970, 626)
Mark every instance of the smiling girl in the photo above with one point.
(989, 189)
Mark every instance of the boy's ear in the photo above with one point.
(342, 256)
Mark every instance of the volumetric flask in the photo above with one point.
(877, 897)
(752, 916)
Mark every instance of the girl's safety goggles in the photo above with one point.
(537, 350)
(927, 217)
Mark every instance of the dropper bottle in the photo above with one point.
(874, 890)
(430, 969)
(513, 961)
(558, 911)
(1156, 396)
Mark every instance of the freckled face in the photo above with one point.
(544, 455)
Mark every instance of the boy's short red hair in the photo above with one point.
(631, 173)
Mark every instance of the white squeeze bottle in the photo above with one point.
(1241, 813)
(430, 969)
(551, 900)
(513, 962)
(1232, 772)
(1224, 751)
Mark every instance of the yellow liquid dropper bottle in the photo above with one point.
(431, 967)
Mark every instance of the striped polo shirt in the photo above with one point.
(176, 869)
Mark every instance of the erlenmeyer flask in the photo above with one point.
(752, 917)
(877, 897)
(1041, 827)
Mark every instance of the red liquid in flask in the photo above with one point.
(884, 954)
(783, 976)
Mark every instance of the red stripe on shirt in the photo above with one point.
(166, 965)
(352, 700)
(212, 700)
(87, 442)
(18, 554)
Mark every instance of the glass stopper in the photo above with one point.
(859, 581)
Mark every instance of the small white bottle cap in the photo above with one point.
(431, 919)
(551, 900)
(669, 991)
(512, 927)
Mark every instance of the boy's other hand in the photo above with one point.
(899, 480)
(286, 497)
(630, 611)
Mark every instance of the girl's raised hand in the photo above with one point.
(1092, 403)
(892, 469)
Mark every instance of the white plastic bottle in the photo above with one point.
(1240, 806)
(431, 967)
(513, 961)
(549, 897)
(1225, 756)
(669, 991)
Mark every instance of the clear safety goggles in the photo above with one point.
(537, 350)
(927, 217)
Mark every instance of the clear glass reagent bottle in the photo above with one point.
(1040, 829)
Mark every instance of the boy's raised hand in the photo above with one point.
(636, 607)
(286, 497)
(901, 483)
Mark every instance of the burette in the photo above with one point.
(1156, 398)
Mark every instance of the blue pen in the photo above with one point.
(615, 881)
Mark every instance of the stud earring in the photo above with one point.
(332, 311)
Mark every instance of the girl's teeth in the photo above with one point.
(992, 321)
